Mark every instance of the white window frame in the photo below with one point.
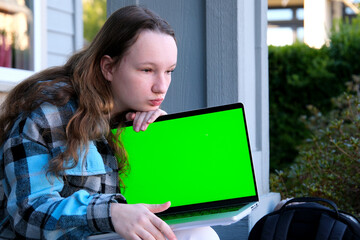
(9, 77)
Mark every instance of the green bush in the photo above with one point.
(94, 16)
(344, 48)
(300, 76)
(328, 164)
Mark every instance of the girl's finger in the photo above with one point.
(150, 118)
(130, 116)
(164, 228)
(145, 234)
(139, 118)
(154, 231)
(155, 115)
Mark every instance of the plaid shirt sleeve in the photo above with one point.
(35, 208)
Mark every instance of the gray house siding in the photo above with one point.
(64, 30)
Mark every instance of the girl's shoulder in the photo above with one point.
(50, 115)
(44, 120)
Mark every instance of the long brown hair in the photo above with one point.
(83, 80)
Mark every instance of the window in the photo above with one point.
(287, 22)
(16, 30)
(300, 14)
(21, 40)
(286, 38)
(300, 34)
(279, 14)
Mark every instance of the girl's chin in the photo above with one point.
(147, 109)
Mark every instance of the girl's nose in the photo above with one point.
(161, 83)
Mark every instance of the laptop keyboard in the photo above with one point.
(171, 216)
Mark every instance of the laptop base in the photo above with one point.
(225, 218)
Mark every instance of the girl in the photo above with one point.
(58, 162)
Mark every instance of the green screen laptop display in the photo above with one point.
(195, 159)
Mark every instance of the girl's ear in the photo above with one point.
(106, 65)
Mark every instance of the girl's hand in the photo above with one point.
(138, 221)
(143, 119)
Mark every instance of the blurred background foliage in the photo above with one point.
(328, 163)
(94, 16)
(300, 76)
(315, 118)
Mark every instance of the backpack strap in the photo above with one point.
(277, 226)
(329, 228)
(325, 226)
(268, 230)
(313, 199)
(338, 231)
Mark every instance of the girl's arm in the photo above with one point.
(35, 207)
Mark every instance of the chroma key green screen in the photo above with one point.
(189, 160)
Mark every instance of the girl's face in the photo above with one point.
(141, 79)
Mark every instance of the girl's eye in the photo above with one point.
(147, 70)
(169, 72)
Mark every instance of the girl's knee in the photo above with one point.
(202, 233)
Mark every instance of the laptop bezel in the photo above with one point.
(214, 204)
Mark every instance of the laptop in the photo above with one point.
(200, 160)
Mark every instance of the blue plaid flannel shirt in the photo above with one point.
(34, 205)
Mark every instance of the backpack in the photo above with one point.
(305, 219)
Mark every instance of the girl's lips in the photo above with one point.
(156, 102)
